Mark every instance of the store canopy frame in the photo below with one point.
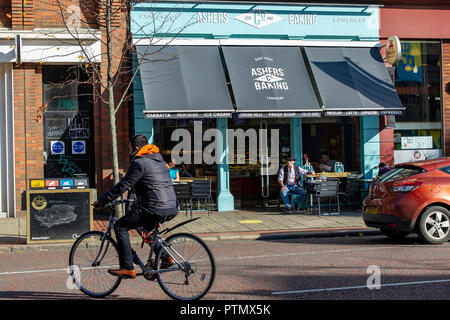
(183, 82)
(270, 81)
(353, 81)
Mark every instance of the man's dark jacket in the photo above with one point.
(149, 176)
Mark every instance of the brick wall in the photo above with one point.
(446, 95)
(53, 13)
(28, 132)
(29, 140)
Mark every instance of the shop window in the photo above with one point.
(418, 83)
(188, 143)
(5, 14)
(332, 138)
(249, 188)
(67, 120)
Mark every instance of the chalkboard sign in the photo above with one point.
(58, 215)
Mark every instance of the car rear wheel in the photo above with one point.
(397, 235)
(434, 225)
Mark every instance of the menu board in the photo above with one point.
(58, 215)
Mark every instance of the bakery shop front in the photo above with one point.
(230, 91)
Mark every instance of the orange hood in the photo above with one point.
(148, 149)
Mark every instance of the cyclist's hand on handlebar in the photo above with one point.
(97, 205)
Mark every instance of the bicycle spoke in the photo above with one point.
(94, 279)
(198, 268)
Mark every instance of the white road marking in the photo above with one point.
(360, 287)
(32, 271)
(51, 270)
(239, 257)
(300, 253)
(219, 259)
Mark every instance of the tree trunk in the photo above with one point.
(111, 105)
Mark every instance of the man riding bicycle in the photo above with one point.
(155, 202)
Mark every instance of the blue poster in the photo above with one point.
(410, 66)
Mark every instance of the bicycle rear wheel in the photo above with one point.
(89, 262)
(195, 264)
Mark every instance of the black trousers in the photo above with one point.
(133, 219)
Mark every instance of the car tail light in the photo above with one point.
(406, 187)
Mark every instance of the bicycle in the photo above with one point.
(189, 278)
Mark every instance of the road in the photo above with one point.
(334, 268)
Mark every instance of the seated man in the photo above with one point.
(288, 177)
(326, 165)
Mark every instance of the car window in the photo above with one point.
(400, 173)
(445, 169)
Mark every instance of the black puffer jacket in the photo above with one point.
(148, 175)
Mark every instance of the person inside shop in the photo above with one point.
(174, 172)
(383, 168)
(326, 165)
(288, 178)
(148, 176)
(187, 170)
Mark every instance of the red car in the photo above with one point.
(412, 197)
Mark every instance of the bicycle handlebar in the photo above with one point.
(116, 202)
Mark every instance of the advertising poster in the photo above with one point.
(410, 65)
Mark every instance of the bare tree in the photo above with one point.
(110, 72)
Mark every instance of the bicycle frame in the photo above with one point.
(156, 240)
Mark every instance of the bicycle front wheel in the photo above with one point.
(194, 269)
(89, 262)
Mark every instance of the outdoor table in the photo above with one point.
(333, 174)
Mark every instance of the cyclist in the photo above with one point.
(155, 202)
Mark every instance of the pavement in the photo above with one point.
(216, 226)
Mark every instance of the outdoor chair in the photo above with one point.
(201, 190)
(349, 195)
(183, 193)
(328, 190)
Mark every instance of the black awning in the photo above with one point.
(270, 80)
(184, 82)
(353, 81)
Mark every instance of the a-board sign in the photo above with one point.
(58, 215)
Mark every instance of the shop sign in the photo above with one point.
(78, 147)
(350, 113)
(196, 19)
(393, 50)
(402, 156)
(258, 19)
(260, 115)
(424, 142)
(358, 113)
(57, 147)
(186, 115)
